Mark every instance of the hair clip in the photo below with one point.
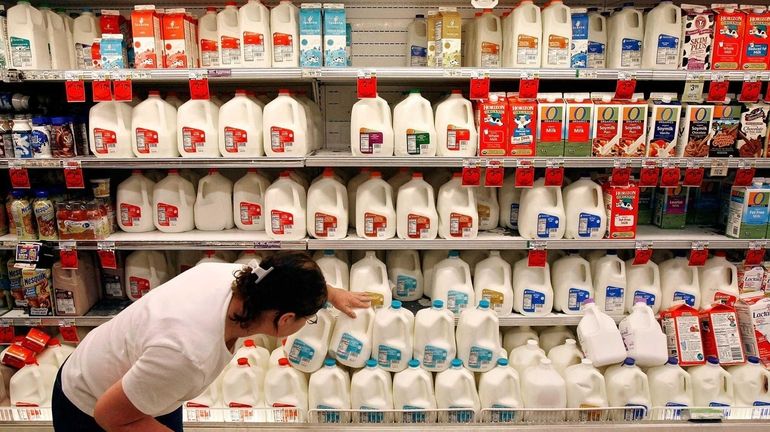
(259, 271)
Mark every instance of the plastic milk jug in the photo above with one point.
(557, 35)
(662, 37)
(564, 356)
(627, 385)
(643, 285)
(134, 203)
(532, 290)
(452, 283)
(370, 276)
(718, 280)
(285, 205)
(488, 208)
(371, 128)
(229, 36)
(284, 23)
(434, 337)
(405, 274)
(455, 127)
(285, 127)
(624, 39)
(86, 29)
(285, 386)
(307, 348)
(600, 338)
(712, 386)
(352, 187)
(145, 270)
(173, 201)
(584, 208)
(500, 387)
(456, 388)
(55, 354)
(541, 212)
(597, 41)
(327, 208)
(375, 213)
(416, 213)
(242, 385)
(429, 260)
(527, 37)
(517, 336)
(249, 201)
(417, 42)
(670, 385)
(413, 126)
(609, 276)
(258, 356)
(32, 385)
(585, 386)
(413, 389)
(457, 211)
(256, 47)
(750, 382)
(208, 38)
(329, 388)
(240, 127)
(60, 51)
(214, 204)
(335, 271)
(508, 198)
(644, 339)
(153, 122)
(27, 38)
(492, 281)
(551, 337)
(488, 41)
(679, 281)
(525, 356)
(572, 285)
(392, 335)
(478, 337)
(197, 129)
(109, 126)
(543, 387)
(371, 389)
(314, 118)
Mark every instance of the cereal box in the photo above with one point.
(550, 125)
(148, 40)
(633, 128)
(523, 125)
(752, 135)
(756, 55)
(724, 130)
(721, 336)
(606, 127)
(663, 134)
(695, 130)
(754, 323)
(37, 290)
(729, 29)
(622, 205)
(671, 207)
(681, 324)
(580, 115)
(493, 130)
(748, 212)
(698, 37)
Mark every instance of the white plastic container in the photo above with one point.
(557, 35)
(413, 389)
(145, 270)
(625, 36)
(750, 382)
(679, 281)
(712, 386)
(663, 37)
(371, 389)
(242, 385)
(643, 285)
(197, 129)
(584, 209)
(492, 281)
(543, 387)
(564, 356)
(371, 128)
(69, 36)
(541, 212)
(644, 339)
(487, 206)
(27, 38)
(173, 203)
(375, 213)
(718, 280)
(525, 356)
(488, 41)
(284, 24)
(532, 290)
(600, 338)
(208, 38)
(86, 29)
(109, 127)
(456, 388)
(405, 274)
(256, 46)
(517, 336)
(306, 349)
(229, 36)
(285, 130)
(55, 354)
(335, 271)
(413, 126)
(500, 388)
(370, 276)
(670, 385)
(597, 41)
(508, 198)
(455, 127)
(585, 386)
(32, 385)
(249, 201)
(572, 285)
(627, 385)
(258, 356)
(524, 51)
(452, 283)
(609, 276)
(214, 204)
(457, 211)
(478, 338)
(285, 386)
(329, 389)
(240, 127)
(134, 203)
(351, 341)
(434, 337)
(285, 205)
(551, 337)
(416, 213)
(392, 334)
(327, 208)
(417, 42)
(57, 45)
(153, 122)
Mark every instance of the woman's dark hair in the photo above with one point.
(295, 284)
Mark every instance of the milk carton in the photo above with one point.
(335, 36)
(579, 48)
(751, 279)
(748, 213)
(178, 50)
(697, 38)
(756, 55)
(578, 130)
(433, 37)
(606, 127)
(729, 29)
(724, 130)
(310, 40)
(148, 38)
(550, 129)
(633, 128)
(752, 139)
(113, 52)
(704, 206)
(622, 205)
(451, 31)
(522, 124)
(493, 131)
(754, 323)
(671, 207)
(721, 336)
(663, 132)
(695, 130)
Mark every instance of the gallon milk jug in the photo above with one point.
(329, 389)
(27, 38)
(750, 381)
(525, 356)
(508, 197)
(564, 356)
(285, 386)
(413, 126)
(335, 271)
(32, 385)
(173, 201)
(214, 205)
(327, 208)
(284, 23)
(307, 348)
(532, 290)
(452, 283)
(541, 212)
(455, 127)
(609, 276)
(55, 354)
(153, 122)
(679, 281)
(392, 337)
(242, 385)
(405, 274)
(597, 41)
(416, 210)
(517, 336)
(109, 127)
(85, 31)
(600, 338)
(468, 47)
(375, 213)
(584, 208)
(487, 206)
(285, 204)
(197, 129)
(627, 385)
(456, 388)
(371, 389)
(254, 19)
(134, 202)
(523, 51)
(413, 390)
(644, 285)
(229, 36)
(57, 45)
(644, 339)
(585, 386)
(625, 36)
(314, 119)
(499, 388)
(492, 281)
(487, 41)
(145, 270)
(718, 280)
(543, 387)
(478, 337)
(249, 201)
(208, 38)
(712, 386)
(429, 260)
(369, 275)
(417, 42)
(572, 286)
(258, 356)
(371, 128)
(285, 127)
(662, 33)
(434, 337)
(240, 126)
(457, 211)
(352, 186)
(670, 385)
(557, 35)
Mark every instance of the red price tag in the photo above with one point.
(75, 90)
(199, 88)
(367, 86)
(19, 178)
(750, 90)
(621, 176)
(123, 90)
(693, 177)
(524, 176)
(698, 257)
(108, 259)
(625, 88)
(73, 175)
(494, 175)
(471, 175)
(744, 176)
(755, 256)
(7, 334)
(642, 255)
(718, 91)
(537, 257)
(528, 87)
(479, 88)
(554, 176)
(102, 90)
(69, 333)
(648, 176)
(669, 177)
(69, 258)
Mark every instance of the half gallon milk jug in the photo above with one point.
(525, 356)
(508, 198)
(597, 41)
(173, 201)
(240, 127)
(585, 386)
(627, 385)
(392, 337)
(55, 354)
(644, 339)
(229, 36)
(57, 45)
(488, 208)
(644, 285)
(679, 281)
(455, 127)
(249, 201)
(456, 388)
(153, 122)
(254, 19)
(609, 275)
(624, 39)
(32, 385)
(600, 338)
(517, 336)
(375, 213)
(457, 211)
(197, 129)
(718, 280)
(499, 388)
(134, 202)
(371, 389)
(335, 271)
(488, 41)
(492, 281)
(405, 274)
(413, 126)
(214, 205)
(557, 35)
(662, 37)
(370, 276)
(307, 348)
(429, 260)
(417, 42)
(371, 128)
(434, 337)
(478, 337)
(109, 126)
(27, 38)
(327, 208)
(452, 283)
(416, 210)
(285, 205)
(572, 286)
(352, 187)
(329, 389)
(670, 385)
(242, 385)
(543, 387)
(85, 31)
(532, 290)
(413, 390)
(285, 127)
(145, 270)
(523, 51)
(285, 386)
(750, 381)
(541, 212)
(584, 208)
(712, 386)
(564, 356)
(284, 23)
(208, 38)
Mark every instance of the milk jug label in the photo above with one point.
(209, 53)
(631, 53)
(105, 141)
(460, 225)
(577, 297)
(495, 298)
(22, 143)
(434, 357)
(419, 56)
(40, 141)
(643, 296)
(457, 139)
(253, 46)
(349, 347)
(370, 141)
(558, 50)
(251, 213)
(479, 357)
(514, 219)
(588, 224)
(457, 301)
(283, 47)
(614, 300)
(281, 222)
(325, 225)
(301, 353)
(138, 286)
(130, 215)
(405, 286)
(231, 50)
(579, 47)
(193, 140)
(417, 141)
(668, 50)
(375, 225)
(21, 52)
(527, 48)
(490, 54)
(168, 215)
(418, 226)
(534, 301)
(281, 140)
(235, 140)
(547, 225)
(596, 55)
(388, 356)
(688, 298)
(146, 141)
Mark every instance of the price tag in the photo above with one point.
(102, 90)
(107, 258)
(494, 175)
(537, 254)
(122, 88)
(68, 254)
(367, 84)
(199, 86)
(699, 253)
(649, 174)
(69, 332)
(669, 175)
(471, 172)
(744, 176)
(74, 88)
(7, 332)
(621, 173)
(755, 255)
(524, 177)
(529, 85)
(626, 86)
(73, 175)
(750, 88)
(719, 168)
(693, 88)
(480, 84)
(554, 173)
(19, 176)
(718, 87)
(643, 252)
(693, 175)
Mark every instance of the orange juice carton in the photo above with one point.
(663, 133)
(754, 323)
(729, 30)
(756, 55)
(578, 129)
(550, 125)
(177, 50)
(698, 37)
(605, 139)
(633, 127)
(681, 324)
(622, 206)
(523, 125)
(493, 126)
(695, 130)
(148, 38)
(721, 335)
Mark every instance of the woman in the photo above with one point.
(134, 372)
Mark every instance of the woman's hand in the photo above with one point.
(346, 301)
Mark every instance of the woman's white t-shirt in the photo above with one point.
(167, 347)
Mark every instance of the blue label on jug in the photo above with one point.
(349, 348)
(405, 286)
(688, 298)
(576, 298)
(614, 300)
(595, 47)
(534, 301)
(301, 353)
(419, 55)
(480, 357)
(674, 404)
(456, 301)
(373, 417)
(514, 219)
(643, 296)
(413, 417)
(388, 356)
(434, 357)
(718, 404)
(588, 224)
(760, 403)
(503, 416)
(667, 41)
(547, 225)
(596, 55)
(329, 416)
(631, 45)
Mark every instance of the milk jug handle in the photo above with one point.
(295, 196)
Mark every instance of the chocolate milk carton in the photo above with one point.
(724, 130)
(752, 135)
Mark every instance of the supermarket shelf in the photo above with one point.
(170, 75)
(20, 318)
(327, 158)
(161, 163)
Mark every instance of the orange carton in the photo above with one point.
(148, 40)
(523, 125)
(756, 55)
(730, 27)
(622, 206)
(721, 336)
(493, 128)
(681, 324)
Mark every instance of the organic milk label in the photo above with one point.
(558, 50)
(434, 357)
(614, 300)
(523, 126)
(457, 138)
(606, 129)
(631, 53)
(724, 131)
(281, 140)
(417, 141)
(698, 35)
(138, 286)
(579, 48)
(668, 50)
(644, 296)
(490, 54)
(588, 224)
(253, 46)
(664, 130)
(527, 48)
(370, 141)
(375, 225)
(418, 226)
(405, 286)
(300, 353)
(325, 225)
(579, 117)
(349, 348)
(168, 215)
(480, 357)
(688, 298)
(495, 299)
(753, 132)
(460, 225)
(388, 356)
(130, 215)
(283, 47)
(146, 141)
(105, 141)
(695, 131)
(633, 130)
(230, 49)
(547, 225)
(485, 214)
(534, 301)
(577, 297)
(209, 53)
(457, 301)
(21, 52)
(235, 140)
(550, 131)
(250, 213)
(281, 222)
(193, 140)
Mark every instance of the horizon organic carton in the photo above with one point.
(522, 125)
(729, 29)
(756, 55)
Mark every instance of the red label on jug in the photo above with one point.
(130, 214)
(457, 139)
(281, 140)
(138, 286)
(460, 225)
(146, 141)
(167, 215)
(281, 222)
(374, 224)
(418, 226)
(251, 213)
(325, 225)
(193, 140)
(105, 141)
(235, 140)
